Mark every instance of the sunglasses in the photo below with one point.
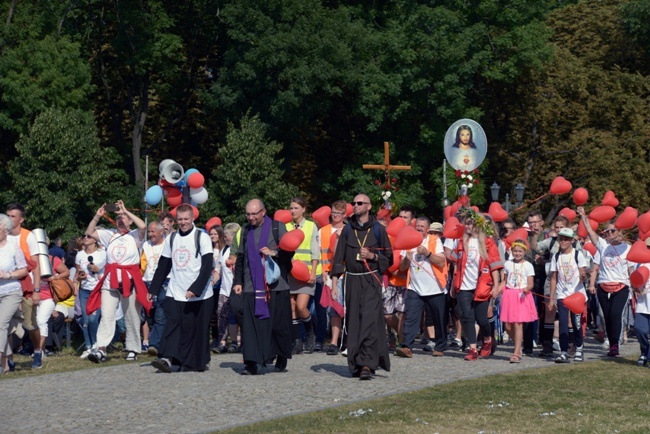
(509, 228)
(360, 203)
(86, 236)
(610, 231)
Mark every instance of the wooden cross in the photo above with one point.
(387, 167)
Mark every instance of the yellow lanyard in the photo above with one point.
(356, 234)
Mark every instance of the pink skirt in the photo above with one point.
(515, 308)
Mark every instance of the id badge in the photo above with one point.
(359, 258)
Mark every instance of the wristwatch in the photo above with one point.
(37, 289)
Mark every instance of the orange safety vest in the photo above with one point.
(441, 273)
(326, 253)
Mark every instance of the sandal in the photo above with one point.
(132, 356)
(515, 358)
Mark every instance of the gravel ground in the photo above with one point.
(135, 398)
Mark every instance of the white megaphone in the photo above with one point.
(43, 253)
(171, 171)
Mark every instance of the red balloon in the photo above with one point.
(475, 208)
(609, 199)
(395, 226)
(455, 207)
(447, 212)
(580, 196)
(282, 215)
(639, 277)
(497, 212)
(195, 180)
(639, 253)
(518, 234)
(292, 240)
(601, 214)
(644, 222)
(299, 270)
(396, 260)
(453, 229)
(463, 200)
(174, 197)
(214, 221)
(568, 213)
(560, 186)
(644, 235)
(576, 302)
(407, 239)
(588, 246)
(349, 209)
(322, 215)
(627, 219)
(582, 231)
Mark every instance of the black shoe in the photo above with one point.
(332, 350)
(162, 365)
(365, 373)
(310, 344)
(97, 357)
(281, 364)
(233, 349)
(250, 369)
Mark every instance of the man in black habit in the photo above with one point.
(266, 327)
(363, 253)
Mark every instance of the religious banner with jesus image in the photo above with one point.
(465, 145)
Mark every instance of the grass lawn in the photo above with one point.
(608, 396)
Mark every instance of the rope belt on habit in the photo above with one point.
(360, 274)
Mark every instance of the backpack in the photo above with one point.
(575, 254)
(197, 242)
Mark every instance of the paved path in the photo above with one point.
(133, 398)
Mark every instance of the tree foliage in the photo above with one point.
(62, 174)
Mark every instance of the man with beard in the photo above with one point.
(363, 253)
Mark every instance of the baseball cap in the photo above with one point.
(566, 232)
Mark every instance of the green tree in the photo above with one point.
(250, 169)
(62, 174)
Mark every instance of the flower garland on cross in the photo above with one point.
(390, 185)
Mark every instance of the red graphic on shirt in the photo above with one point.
(181, 257)
(118, 252)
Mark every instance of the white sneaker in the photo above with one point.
(85, 354)
(606, 344)
(556, 345)
(344, 352)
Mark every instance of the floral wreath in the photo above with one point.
(479, 220)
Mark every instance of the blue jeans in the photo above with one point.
(159, 318)
(642, 327)
(564, 315)
(89, 323)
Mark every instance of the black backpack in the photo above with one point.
(197, 241)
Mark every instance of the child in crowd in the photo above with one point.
(568, 272)
(517, 304)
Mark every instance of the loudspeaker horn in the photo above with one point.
(43, 253)
(171, 171)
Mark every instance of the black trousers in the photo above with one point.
(437, 306)
(473, 311)
(613, 305)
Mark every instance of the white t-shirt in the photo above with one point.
(152, 253)
(99, 259)
(613, 262)
(470, 278)
(422, 277)
(517, 274)
(643, 300)
(450, 243)
(11, 259)
(226, 274)
(568, 273)
(122, 249)
(186, 265)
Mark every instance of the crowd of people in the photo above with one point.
(181, 294)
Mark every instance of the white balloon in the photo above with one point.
(199, 195)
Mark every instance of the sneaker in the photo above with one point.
(37, 363)
(643, 361)
(232, 348)
(344, 353)
(424, 341)
(12, 365)
(456, 344)
(486, 349)
(471, 355)
(577, 357)
(563, 358)
(85, 354)
(310, 343)
(298, 347)
(332, 350)
(606, 344)
(318, 347)
(429, 347)
(613, 351)
(132, 356)
(145, 347)
(404, 352)
(152, 351)
(162, 365)
(97, 356)
(556, 345)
